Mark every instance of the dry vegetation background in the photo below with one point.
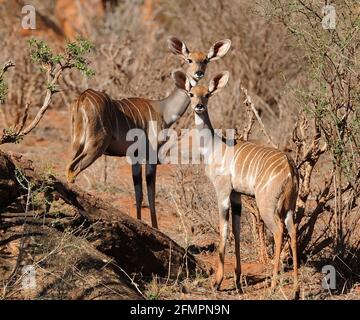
(302, 79)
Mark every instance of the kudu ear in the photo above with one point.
(218, 82)
(182, 81)
(219, 49)
(178, 47)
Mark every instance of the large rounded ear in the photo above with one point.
(218, 82)
(182, 81)
(219, 49)
(178, 47)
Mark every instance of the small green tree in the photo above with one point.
(53, 65)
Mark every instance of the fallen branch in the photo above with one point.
(132, 244)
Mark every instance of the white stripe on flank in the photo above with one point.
(95, 106)
(132, 116)
(152, 123)
(234, 159)
(84, 120)
(100, 96)
(130, 109)
(258, 164)
(266, 171)
(241, 176)
(251, 176)
(136, 107)
(124, 114)
(269, 178)
(272, 179)
(269, 156)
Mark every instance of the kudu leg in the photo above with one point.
(278, 238)
(78, 138)
(223, 225)
(273, 222)
(151, 190)
(291, 227)
(84, 158)
(137, 180)
(236, 214)
(76, 148)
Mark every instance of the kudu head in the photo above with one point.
(198, 94)
(198, 60)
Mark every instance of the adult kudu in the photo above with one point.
(100, 124)
(244, 168)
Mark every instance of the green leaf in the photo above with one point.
(40, 52)
(76, 51)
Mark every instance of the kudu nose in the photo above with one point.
(199, 74)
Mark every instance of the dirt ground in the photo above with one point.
(49, 145)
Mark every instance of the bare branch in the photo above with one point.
(250, 123)
(248, 102)
(45, 105)
(6, 67)
(22, 122)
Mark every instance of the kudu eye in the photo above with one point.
(191, 94)
(189, 60)
(199, 74)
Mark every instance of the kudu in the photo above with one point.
(244, 168)
(100, 123)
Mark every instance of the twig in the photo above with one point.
(250, 123)
(248, 102)
(186, 239)
(45, 105)
(130, 279)
(10, 136)
(5, 68)
(22, 240)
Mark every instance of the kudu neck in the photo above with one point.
(205, 134)
(202, 121)
(173, 106)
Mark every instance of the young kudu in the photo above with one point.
(100, 124)
(244, 168)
